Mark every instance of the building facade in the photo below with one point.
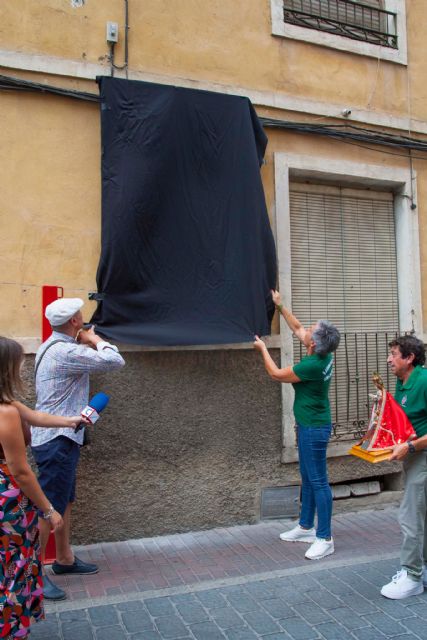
(195, 435)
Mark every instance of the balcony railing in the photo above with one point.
(355, 20)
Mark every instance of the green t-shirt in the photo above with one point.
(412, 397)
(311, 404)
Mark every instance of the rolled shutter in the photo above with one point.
(343, 260)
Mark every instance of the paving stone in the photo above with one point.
(183, 598)
(76, 615)
(159, 607)
(277, 608)
(110, 633)
(385, 624)
(261, 622)
(259, 590)
(292, 597)
(373, 575)
(132, 605)
(334, 584)
(145, 635)
(211, 599)
(333, 631)
(226, 617)
(312, 613)
(136, 621)
(419, 609)
(394, 609)
(80, 631)
(170, 627)
(358, 603)
(349, 618)
(44, 629)
(304, 582)
(368, 633)
(298, 629)
(324, 599)
(41, 631)
(242, 603)
(240, 633)
(103, 616)
(233, 589)
(206, 631)
(192, 613)
(417, 626)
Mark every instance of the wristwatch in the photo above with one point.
(411, 447)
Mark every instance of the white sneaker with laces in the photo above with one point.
(319, 549)
(298, 534)
(402, 586)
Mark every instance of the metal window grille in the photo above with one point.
(344, 270)
(365, 21)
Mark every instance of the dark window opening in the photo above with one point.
(366, 21)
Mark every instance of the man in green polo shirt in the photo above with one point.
(406, 360)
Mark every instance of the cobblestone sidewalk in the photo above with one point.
(337, 603)
(240, 583)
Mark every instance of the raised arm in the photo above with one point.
(281, 375)
(293, 323)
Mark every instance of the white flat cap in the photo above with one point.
(61, 310)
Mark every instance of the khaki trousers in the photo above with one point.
(413, 515)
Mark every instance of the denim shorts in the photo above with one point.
(57, 464)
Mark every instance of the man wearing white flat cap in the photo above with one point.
(63, 365)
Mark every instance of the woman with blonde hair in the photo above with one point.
(21, 583)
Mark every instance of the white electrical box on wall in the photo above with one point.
(112, 32)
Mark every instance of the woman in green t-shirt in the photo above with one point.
(311, 379)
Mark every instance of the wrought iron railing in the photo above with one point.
(355, 20)
(356, 359)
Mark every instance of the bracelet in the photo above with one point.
(49, 513)
(279, 307)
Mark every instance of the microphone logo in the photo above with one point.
(91, 414)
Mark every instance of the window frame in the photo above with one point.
(323, 38)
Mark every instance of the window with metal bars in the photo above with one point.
(343, 259)
(367, 21)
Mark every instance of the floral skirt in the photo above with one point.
(21, 585)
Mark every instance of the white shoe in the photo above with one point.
(298, 534)
(402, 586)
(319, 549)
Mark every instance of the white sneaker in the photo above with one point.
(319, 549)
(402, 586)
(298, 534)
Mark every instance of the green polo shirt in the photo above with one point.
(311, 404)
(412, 397)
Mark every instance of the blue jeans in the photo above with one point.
(316, 493)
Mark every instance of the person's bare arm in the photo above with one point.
(293, 323)
(280, 375)
(400, 451)
(12, 441)
(41, 419)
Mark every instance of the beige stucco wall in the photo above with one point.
(222, 42)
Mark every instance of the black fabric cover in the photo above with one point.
(187, 253)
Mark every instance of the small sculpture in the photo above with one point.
(387, 427)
